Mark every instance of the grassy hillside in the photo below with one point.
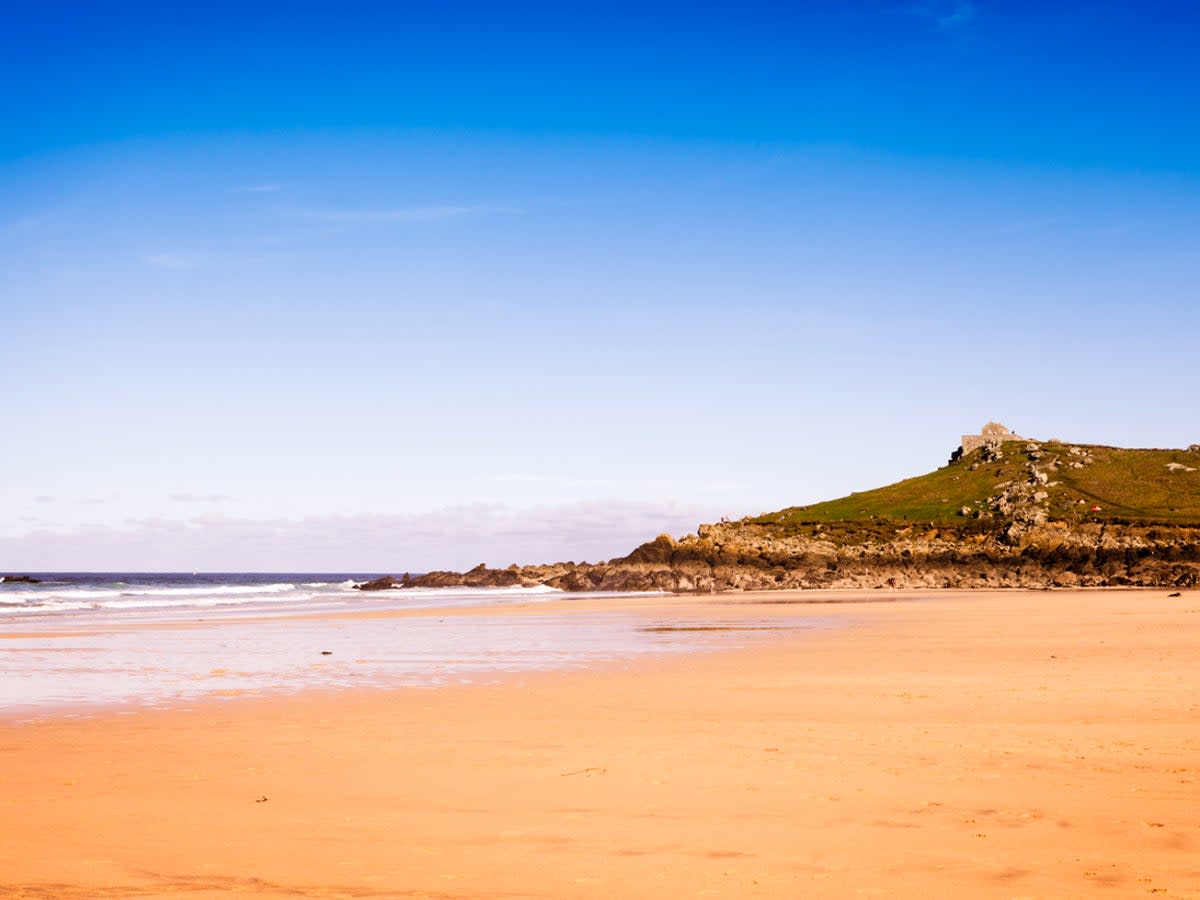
(1131, 486)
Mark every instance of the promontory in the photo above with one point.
(1005, 511)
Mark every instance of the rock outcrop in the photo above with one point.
(748, 556)
(386, 583)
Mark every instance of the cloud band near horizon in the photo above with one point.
(451, 538)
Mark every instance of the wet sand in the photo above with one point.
(1006, 744)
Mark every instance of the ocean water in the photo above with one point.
(82, 642)
(180, 592)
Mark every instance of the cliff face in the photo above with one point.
(1007, 514)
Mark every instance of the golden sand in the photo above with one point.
(1037, 744)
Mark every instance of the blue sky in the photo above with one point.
(396, 287)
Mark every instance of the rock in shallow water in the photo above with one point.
(387, 582)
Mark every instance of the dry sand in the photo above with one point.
(975, 745)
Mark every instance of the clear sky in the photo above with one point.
(397, 286)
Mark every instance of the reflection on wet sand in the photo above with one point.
(168, 660)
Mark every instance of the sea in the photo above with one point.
(171, 594)
(89, 643)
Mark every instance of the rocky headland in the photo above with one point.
(1009, 513)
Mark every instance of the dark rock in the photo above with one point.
(19, 579)
(435, 579)
(572, 581)
(658, 550)
(386, 583)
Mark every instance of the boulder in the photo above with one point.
(386, 583)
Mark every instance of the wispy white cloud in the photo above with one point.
(1030, 224)
(946, 14)
(259, 189)
(960, 15)
(30, 224)
(198, 498)
(659, 486)
(395, 215)
(171, 260)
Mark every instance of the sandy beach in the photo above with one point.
(983, 744)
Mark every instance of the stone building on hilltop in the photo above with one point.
(991, 432)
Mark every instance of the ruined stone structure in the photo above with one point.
(992, 431)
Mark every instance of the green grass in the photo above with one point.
(1137, 485)
(1127, 485)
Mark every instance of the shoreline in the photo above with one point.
(709, 614)
(45, 646)
(629, 615)
(990, 744)
(574, 614)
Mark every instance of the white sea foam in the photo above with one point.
(201, 591)
(133, 601)
(298, 596)
(63, 595)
